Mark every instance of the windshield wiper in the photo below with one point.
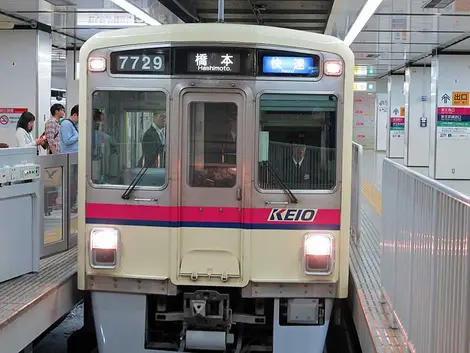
(127, 194)
(273, 172)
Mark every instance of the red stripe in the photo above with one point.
(198, 214)
(453, 110)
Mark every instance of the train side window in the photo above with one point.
(297, 141)
(212, 144)
(128, 132)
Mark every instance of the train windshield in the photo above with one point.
(128, 133)
(297, 142)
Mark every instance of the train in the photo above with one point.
(214, 187)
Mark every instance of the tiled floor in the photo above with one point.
(18, 295)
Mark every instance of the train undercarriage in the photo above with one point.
(209, 320)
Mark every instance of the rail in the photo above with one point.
(425, 266)
(59, 222)
(356, 191)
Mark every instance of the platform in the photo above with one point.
(370, 315)
(32, 303)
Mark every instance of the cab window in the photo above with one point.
(297, 142)
(128, 133)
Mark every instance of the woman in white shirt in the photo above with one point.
(23, 131)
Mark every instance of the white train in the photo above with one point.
(214, 188)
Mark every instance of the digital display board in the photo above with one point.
(204, 62)
(214, 61)
(289, 65)
(141, 62)
(274, 63)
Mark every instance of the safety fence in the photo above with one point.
(425, 269)
(59, 178)
(356, 183)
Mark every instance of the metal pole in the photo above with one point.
(220, 13)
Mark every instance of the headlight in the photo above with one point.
(97, 64)
(318, 254)
(104, 247)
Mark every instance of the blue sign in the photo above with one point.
(289, 65)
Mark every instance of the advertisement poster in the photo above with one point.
(364, 119)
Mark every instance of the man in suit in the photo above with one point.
(297, 168)
(154, 143)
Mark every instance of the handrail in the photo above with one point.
(356, 182)
(432, 183)
(425, 264)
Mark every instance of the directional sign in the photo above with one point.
(402, 111)
(445, 98)
(460, 98)
(395, 111)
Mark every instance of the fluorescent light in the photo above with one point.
(134, 10)
(361, 20)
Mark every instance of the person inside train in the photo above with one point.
(23, 135)
(68, 132)
(154, 142)
(295, 167)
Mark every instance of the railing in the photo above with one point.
(59, 221)
(356, 183)
(425, 266)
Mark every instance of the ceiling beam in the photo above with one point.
(182, 9)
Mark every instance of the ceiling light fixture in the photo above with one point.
(134, 10)
(361, 20)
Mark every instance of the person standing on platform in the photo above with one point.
(68, 134)
(23, 131)
(52, 128)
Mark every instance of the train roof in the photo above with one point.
(219, 33)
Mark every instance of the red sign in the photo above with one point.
(4, 119)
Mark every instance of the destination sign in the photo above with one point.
(221, 62)
(291, 65)
(145, 62)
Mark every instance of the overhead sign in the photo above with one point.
(92, 18)
(460, 98)
(293, 65)
(207, 62)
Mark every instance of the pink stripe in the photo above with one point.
(199, 214)
(451, 110)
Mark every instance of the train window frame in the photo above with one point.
(188, 149)
(89, 148)
(339, 143)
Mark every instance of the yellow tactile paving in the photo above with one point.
(373, 196)
(53, 236)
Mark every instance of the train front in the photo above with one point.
(211, 185)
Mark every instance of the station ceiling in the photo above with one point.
(400, 33)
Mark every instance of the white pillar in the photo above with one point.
(381, 115)
(72, 79)
(396, 123)
(450, 129)
(417, 89)
(26, 72)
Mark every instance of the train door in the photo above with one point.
(211, 186)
